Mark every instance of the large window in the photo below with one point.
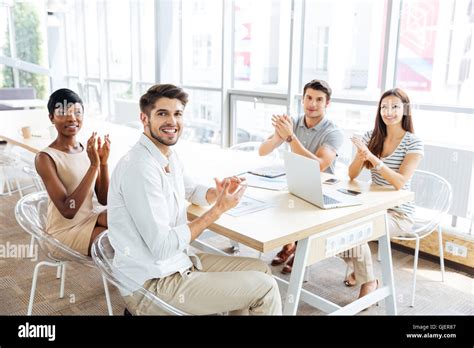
(203, 117)
(104, 64)
(23, 42)
(92, 48)
(252, 117)
(344, 46)
(202, 44)
(261, 44)
(147, 40)
(118, 37)
(435, 51)
(4, 46)
(74, 40)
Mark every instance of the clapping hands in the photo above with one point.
(363, 152)
(97, 150)
(283, 125)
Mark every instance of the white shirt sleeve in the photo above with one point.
(194, 193)
(148, 207)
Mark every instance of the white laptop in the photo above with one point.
(304, 181)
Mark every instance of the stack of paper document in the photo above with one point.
(277, 184)
(272, 171)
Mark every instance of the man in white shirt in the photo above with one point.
(150, 233)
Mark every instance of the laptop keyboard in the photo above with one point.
(329, 200)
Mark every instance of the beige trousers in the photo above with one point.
(238, 285)
(361, 257)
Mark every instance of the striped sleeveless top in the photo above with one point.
(409, 144)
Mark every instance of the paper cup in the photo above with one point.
(26, 132)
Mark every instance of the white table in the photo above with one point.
(24, 103)
(316, 230)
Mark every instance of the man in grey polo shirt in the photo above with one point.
(312, 135)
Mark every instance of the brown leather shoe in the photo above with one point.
(283, 255)
(289, 265)
(366, 289)
(350, 280)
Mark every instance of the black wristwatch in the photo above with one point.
(289, 139)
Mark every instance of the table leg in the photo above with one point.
(296, 279)
(387, 270)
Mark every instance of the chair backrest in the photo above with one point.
(103, 256)
(31, 214)
(433, 198)
(33, 174)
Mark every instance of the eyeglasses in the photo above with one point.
(392, 107)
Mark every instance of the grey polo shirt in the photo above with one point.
(325, 133)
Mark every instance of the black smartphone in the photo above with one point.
(331, 181)
(349, 192)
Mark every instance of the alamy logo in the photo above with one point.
(32, 331)
(11, 250)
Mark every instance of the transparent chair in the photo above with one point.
(31, 172)
(38, 184)
(103, 256)
(30, 213)
(433, 198)
(8, 164)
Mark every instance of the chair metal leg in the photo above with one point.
(415, 267)
(32, 246)
(10, 187)
(107, 296)
(7, 181)
(38, 184)
(35, 183)
(58, 272)
(34, 281)
(306, 275)
(441, 254)
(18, 187)
(63, 279)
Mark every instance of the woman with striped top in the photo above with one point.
(392, 152)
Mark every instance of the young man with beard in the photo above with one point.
(150, 233)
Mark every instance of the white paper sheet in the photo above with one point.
(276, 184)
(248, 205)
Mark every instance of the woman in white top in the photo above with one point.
(392, 152)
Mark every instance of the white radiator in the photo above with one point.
(457, 167)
